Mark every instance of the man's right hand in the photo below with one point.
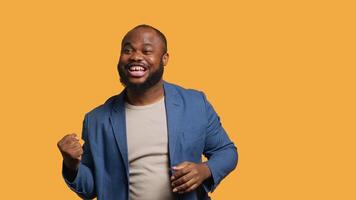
(71, 151)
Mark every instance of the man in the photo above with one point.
(147, 142)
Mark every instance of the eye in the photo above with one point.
(147, 51)
(126, 50)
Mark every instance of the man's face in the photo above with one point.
(142, 59)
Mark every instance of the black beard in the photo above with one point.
(151, 80)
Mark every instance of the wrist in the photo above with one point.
(206, 169)
(71, 165)
(69, 174)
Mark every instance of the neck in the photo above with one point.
(149, 96)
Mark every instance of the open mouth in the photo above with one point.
(136, 70)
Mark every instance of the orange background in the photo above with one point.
(281, 74)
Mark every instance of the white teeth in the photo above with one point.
(137, 68)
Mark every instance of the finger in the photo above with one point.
(77, 153)
(191, 188)
(68, 140)
(77, 139)
(182, 180)
(64, 140)
(68, 136)
(184, 186)
(181, 172)
(181, 165)
(74, 145)
(76, 148)
(70, 146)
(74, 137)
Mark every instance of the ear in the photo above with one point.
(165, 58)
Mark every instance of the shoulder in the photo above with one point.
(192, 100)
(187, 93)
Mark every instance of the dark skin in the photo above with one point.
(144, 47)
(71, 151)
(188, 176)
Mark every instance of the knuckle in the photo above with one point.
(67, 136)
(175, 184)
(63, 148)
(184, 179)
(181, 188)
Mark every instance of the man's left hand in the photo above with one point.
(188, 176)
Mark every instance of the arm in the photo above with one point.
(220, 151)
(81, 180)
(221, 154)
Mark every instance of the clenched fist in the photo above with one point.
(71, 151)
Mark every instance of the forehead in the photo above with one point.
(142, 36)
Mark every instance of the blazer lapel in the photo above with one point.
(118, 122)
(173, 114)
(173, 103)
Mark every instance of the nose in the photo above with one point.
(136, 56)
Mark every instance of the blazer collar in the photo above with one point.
(170, 94)
(173, 103)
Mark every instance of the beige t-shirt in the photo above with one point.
(147, 142)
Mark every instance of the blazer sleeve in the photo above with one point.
(83, 184)
(219, 149)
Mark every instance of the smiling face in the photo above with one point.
(142, 59)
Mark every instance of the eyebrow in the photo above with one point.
(126, 43)
(144, 44)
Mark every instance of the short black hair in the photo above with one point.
(160, 34)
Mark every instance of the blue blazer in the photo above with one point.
(194, 129)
